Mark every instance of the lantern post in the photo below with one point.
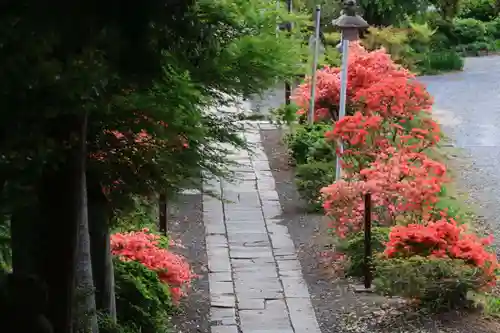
(350, 23)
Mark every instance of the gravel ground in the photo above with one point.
(185, 222)
(467, 104)
(337, 308)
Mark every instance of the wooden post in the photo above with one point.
(162, 208)
(368, 241)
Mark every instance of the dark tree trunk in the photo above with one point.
(102, 263)
(85, 309)
(23, 242)
(62, 207)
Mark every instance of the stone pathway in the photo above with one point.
(256, 283)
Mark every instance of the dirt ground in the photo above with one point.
(185, 223)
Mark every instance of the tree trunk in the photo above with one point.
(86, 321)
(62, 206)
(23, 241)
(102, 262)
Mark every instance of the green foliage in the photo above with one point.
(354, 248)
(303, 138)
(251, 55)
(441, 61)
(390, 12)
(438, 283)
(478, 48)
(202, 54)
(469, 30)
(322, 151)
(5, 250)
(453, 206)
(142, 213)
(409, 45)
(483, 10)
(422, 48)
(329, 9)
(106, 325)
(332, 38)
(420, 35)
(493, 28)
(310, 178)
(445, 36)
(466, 36)
(332, 58)
(142, 301)
(491, 305)
(394, 40)
(447, 9)
(285, 114)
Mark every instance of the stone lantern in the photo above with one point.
(349, 22)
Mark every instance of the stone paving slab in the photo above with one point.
(256, 282)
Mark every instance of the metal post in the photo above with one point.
(277, 24)
(350, 23)
(162, 208)
(342, 104)
(314, 65)
(368, 241)
(288, 87)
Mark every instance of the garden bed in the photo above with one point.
(427, 253)
(337, 307)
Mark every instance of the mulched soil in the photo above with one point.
(185, 223)
(338, 309)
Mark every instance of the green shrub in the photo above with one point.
(441, 61)
(285, 114)
(394, 40)
(493, 29)
(408, 45)
(331, 58)
(310, 178)
(440, 41)
(142, 301)
(354, 248)
(438, 283)
(492, 305)
(106, 325)
(332, 38)
(469, 30)
(5, 247)
(322, 151)
(476, 48)
(303, 138)
(445, 35)
(420, 36)
(495, 45)
(453, 206)
(483, 10)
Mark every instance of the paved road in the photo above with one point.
(255, 277)
(468, 106)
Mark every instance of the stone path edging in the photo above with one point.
(255, 277)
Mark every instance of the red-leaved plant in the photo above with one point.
(145, 248)
(386, 134)
(443, 238)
